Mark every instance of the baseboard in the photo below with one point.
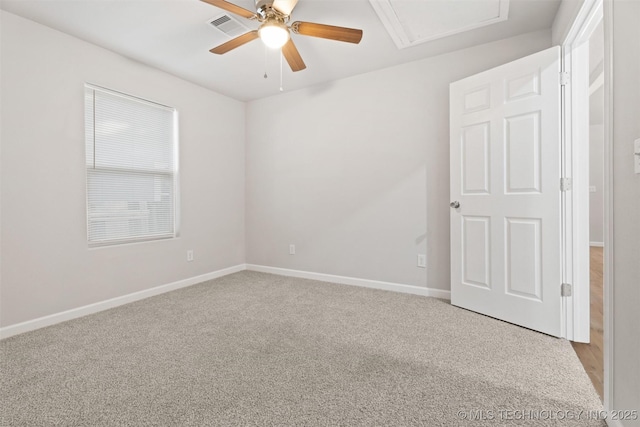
(366, 283)
(597, 244)
(41, 322)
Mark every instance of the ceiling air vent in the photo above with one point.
(228, 25)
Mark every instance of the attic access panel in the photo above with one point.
(412, 22)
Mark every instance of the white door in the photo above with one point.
(505, 176)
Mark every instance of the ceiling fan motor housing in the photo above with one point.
(263, 3)
(266, 12)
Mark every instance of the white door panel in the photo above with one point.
(505, 173)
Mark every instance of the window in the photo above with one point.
(131, 159)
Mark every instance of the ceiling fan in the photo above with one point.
(274, 30)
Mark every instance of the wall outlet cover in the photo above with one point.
(422, 261)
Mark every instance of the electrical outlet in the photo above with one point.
(422, 261)
(190, 255)
(292, 249)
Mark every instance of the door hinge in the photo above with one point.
(565, 289)
(564, 78)
(565, 184)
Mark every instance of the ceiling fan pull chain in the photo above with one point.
(266, 53)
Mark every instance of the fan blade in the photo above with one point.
(284, 6)
(237, 42)
(230, 7)
(293, 57)
(349, 35)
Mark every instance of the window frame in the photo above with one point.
(175, 143)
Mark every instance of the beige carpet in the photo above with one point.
(260, 349)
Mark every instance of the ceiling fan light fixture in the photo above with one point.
(274, 34)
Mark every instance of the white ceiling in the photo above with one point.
(174, 36)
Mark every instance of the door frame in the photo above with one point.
(576, 164)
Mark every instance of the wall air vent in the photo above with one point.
(228, 25)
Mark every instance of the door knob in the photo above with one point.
(455, 205)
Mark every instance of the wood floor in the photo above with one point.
(591, 355)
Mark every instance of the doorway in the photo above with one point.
(587, 139)
(592, 354)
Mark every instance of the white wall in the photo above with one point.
(596, 179)
(626, 206)
(596, 136)
(356, 172)
(46, 264)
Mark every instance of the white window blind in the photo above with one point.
(131, 159)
